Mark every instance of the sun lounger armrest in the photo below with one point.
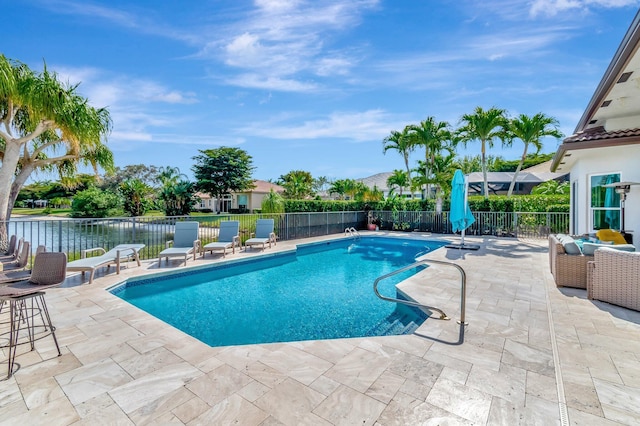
(272, 237)
(236, 241)
(168, 244)
(91, 250)
(196, 248)
(251, 235)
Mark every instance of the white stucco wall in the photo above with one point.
(624, 160)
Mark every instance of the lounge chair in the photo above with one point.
(11, 247)
(19, 274)
(106, 258)
(185, 242)
(20, 261)
(228, 238)
(264, 234)
(14, 248)
(27, 304)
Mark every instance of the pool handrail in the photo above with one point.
(443, 315)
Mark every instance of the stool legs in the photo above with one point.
(23, 312)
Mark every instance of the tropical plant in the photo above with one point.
(297, 184)
(94, 202)
(272, 203)
(46, 125)
(221, 171)
(340, 187)
(530, 130)
(552, 187)
(484, 126)
(135, 195)
(401, 142)
(178, 197)
(320, 184)
(397, 179)
(434, 136)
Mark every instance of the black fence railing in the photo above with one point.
(74, 235)
(502, 224)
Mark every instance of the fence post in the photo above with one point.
(133, 230)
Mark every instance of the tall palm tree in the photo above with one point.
(46, 125)
(530, 130)
(484, 126)
(434, 136)
(398, 179)
(401, 142)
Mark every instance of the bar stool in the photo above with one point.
(27, 306)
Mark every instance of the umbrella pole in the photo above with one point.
(466, 205)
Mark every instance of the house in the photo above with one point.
(605, 148)
(239, 202)
(525, 181)
(498, 181)
(379, 181)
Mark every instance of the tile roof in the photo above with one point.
(599, 133)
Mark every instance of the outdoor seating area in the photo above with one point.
(569, 256)
(613, 276)
(228, 238)
(185, 243)
(264, 234)
(90, 263)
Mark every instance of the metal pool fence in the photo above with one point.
(74, 235)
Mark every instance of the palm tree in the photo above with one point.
(530, 130)
(401, 142)
(484, 126)
(434, 136)
(272, 203)
(339, 187)
(398, 179)
(45, 125)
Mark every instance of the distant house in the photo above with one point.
(525, 181)
(498, 181)
(379, 181)
(239, 202)
(605, 147)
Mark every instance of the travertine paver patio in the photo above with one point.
(531, 354)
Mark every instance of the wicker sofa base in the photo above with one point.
(614, 277)
(568, 270)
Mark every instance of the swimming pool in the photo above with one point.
(319, 291)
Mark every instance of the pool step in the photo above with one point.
(394, 324)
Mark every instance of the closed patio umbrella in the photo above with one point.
(460, 215)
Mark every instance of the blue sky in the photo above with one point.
(314, 85)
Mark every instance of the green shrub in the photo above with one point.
(93, 202)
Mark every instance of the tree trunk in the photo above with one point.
(7, 171)
(485, 186)
(515, 175)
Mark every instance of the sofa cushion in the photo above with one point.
(570, 246)
(610, 235)
(589, 248)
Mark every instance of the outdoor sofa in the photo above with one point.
(569, 255)
(614, 277)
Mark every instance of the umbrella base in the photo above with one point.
(463, 246)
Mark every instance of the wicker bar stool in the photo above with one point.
(27, 306)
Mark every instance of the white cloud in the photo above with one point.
(258, 81)
(284, 40)
(554, 7)
(357, 126)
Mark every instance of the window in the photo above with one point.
(605, 202)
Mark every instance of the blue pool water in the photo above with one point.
(321, 291)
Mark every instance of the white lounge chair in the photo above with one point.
(228, 238)
(185, 242)
(264, 234)
(106, 258)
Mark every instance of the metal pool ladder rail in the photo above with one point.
(353, 232)
(443, 316)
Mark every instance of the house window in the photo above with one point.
(605, 202)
